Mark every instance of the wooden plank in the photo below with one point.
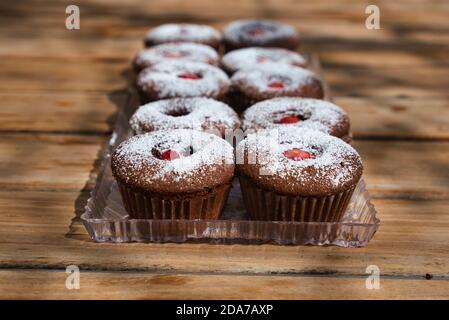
(34, 233)
(133, 9)
(405, 168)
(333, 48)
(62, 75)
(48, 161)
(392, 168)
(380, 57)
(60, 112)
(131, 285)
(388, 82)
(375, 117)
(318, 33)
(77, 75)
(393, 118)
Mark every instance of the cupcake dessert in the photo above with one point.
(184, 32)
(182, 52)
(177, 174)
(198, 113)
(293, 112)
(259, 33)
(297, 174)
(181, 80)
(250, 58)
(249, 86)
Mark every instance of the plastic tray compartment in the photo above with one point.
(107, 221)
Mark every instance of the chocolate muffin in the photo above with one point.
(309, 113)
(248, 58)
(259, 33)
(182, 79)
(297, 174)
(183, 32)
(249, 86)
(177, 174)
(182, 52)
(198, 113)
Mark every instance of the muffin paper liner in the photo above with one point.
(271, 206)
(146, 205)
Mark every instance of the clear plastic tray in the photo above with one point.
(107, 221)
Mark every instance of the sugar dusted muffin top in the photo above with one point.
(181, 52)
(173, 161)
(259, 33)
(182, 79)
(183, 32)
(298, 161)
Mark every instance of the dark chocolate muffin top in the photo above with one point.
(277, 80)
(255, 57)
(184, 51)
(298, 161)
(198, 113)
(260, 33)
(183, 32)
(176, 161)
(308, 113)
(182, 79)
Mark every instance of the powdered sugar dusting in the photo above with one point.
(198, 113)
(183, 32)
(199, 152)
(258, 79)
(335, 162)
(318, 114)
(184, 51)
(240, 30)
(163, 78)
(255, 57)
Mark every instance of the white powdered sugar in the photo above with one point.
(183, 32)
(199, 153)
(335, 162)
(316, 114)
(184, 51)
(184, 113)
(255, 57)
(259, 79)
(163, 79)
(242, 30)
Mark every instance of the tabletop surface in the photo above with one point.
(61, 89)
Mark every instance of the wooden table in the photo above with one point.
(60, 91)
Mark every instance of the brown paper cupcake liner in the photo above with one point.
(146, 205)
(270, 206)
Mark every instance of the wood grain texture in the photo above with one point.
(42, 284)
(57, 162)
(60, 91)
(411, 242)
(45, 161)
(63, 112)
(397, 118)
(371, 117)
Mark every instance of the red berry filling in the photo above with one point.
(276, 85)
(169, 155)
(289, 119)
(172, 54)
(166, 155)
(256, 32)
(297, 154)
(261, 59)
(189, 76)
